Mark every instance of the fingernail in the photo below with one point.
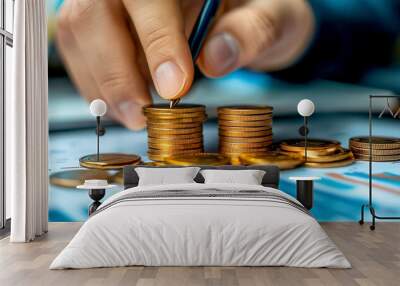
(221, 53)
(131, 114)
(169, 79)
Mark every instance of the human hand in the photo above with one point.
(114, 49)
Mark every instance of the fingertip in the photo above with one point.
(170, 81)
(220, 55)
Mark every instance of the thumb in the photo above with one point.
(239, 37)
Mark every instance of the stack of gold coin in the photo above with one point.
(174, 131)
(244, 129)
(320, 153)
(384, 149)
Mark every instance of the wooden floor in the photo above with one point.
(375, 257)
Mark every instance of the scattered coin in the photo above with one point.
(206, 159)
(314, 146)
(284, 162)
(109, 161)
(76, 177)
(339, 155)
(336, 164)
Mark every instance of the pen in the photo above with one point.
(199, 32)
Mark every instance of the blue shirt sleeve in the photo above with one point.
(351, 37)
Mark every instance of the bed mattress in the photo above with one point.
(201, 225)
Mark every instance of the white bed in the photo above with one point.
(201, 230)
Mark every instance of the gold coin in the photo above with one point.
(245, 129)
(108, 167)
(155, 164)
(240, 150)
(173, 146)
(378, 142)
(162, 157)
(378, 152)
(175, 141)
(198, 115)
(74, 178)
(206, 159)
(198, 120)
(175, 136)
(173, 152)
(336, 164)
(245, 110)
(172, 131)
(247, 118)
(235, 160)
(247, 139)
(181, 108)
(339, 155)
(229, 133)
(284, 162)
(244, 144)
(317, 145)
(375, 158)
(168, 124)
(109, 161)
(245, 123)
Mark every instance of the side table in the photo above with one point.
(305, 190)
(97, 190)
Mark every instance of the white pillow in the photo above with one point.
(248, 177)
(166, 176)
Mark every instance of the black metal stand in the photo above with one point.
(305, 193)
(370, 201)
(96, 195)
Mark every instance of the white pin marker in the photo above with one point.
(98, 108)
(305, 108)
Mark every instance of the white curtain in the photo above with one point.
(27, 124)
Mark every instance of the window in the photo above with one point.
(6, 43)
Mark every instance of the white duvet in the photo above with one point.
(200, 231)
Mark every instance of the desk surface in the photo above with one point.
(338, 195)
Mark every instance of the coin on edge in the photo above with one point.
(284, 162)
